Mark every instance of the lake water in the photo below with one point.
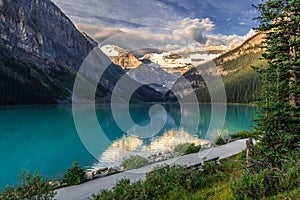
(45, 138)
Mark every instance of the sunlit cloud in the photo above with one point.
(162, 24)
(192, 28)
(226, 15)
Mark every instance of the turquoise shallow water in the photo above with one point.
(45, 138)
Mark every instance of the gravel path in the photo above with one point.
(85, 190)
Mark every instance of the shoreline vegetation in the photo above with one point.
(76, 175)
(178, 150)
(213, 180)
(137, 161)
(160, 148)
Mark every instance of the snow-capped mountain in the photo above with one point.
(182, 60)
(179, 61)
(141, 70)
(121, 57)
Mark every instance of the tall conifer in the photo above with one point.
(279, 111)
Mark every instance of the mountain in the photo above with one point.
(152, 74)
(144, 72)
(121, 57)
(40, 29)
(40, 53)
(235, 66)
(182, 60)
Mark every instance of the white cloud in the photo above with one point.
(179, 34)
(227, 40)
(119, 13)
(223, 40)
(176, 35)
(98, 33)
(193, 28)
(162, 39)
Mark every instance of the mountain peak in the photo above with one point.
(121, 57)
(43, 30)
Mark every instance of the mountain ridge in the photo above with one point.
(39, 27)
(40, 53)
(241, 81)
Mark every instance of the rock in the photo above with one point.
(127, 61)
(40, 28)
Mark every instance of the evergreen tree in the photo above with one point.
(279, 115)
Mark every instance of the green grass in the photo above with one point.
(134, 162)
(187, 148)
(290, 195)
(179, 183)
(214, 183)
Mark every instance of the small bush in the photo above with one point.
(74, 175)
(249, 187)
(157, 185)
(29, 186)
(123, 190)
(289, 195)
(193, 149)
(220, 141)
(243, 135)
(267, 183)
(291, 179)
(134, 162)
(187, 148)
(171, 182)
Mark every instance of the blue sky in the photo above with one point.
(195, 18)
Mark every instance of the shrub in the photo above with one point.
(220, 141)
(249, 187)
(123, 190)
(193, 149)
(29, 186)
(157, 184)
(175, 182)
(187, 148)
(134, 162)
(291, 179)
(169, 182)
(74, 175)
(267, 183)
(181, 148)
(243, 135)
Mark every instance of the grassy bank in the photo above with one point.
(212, 182)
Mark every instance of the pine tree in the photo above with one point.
(279, 114)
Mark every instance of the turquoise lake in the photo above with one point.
(45, 137)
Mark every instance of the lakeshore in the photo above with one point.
(85, 190)
(53, 127)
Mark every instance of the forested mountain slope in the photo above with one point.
(236, 68)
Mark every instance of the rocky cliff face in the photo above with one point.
(121, 57)
(40, 53)
(39, 28)
(127, 61)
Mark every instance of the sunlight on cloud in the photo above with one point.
(182, 28)
(98, 33)
(130, 145)
(179, 34)
(229, 41)
(171, 139)
(121, 148)
(193, 28)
